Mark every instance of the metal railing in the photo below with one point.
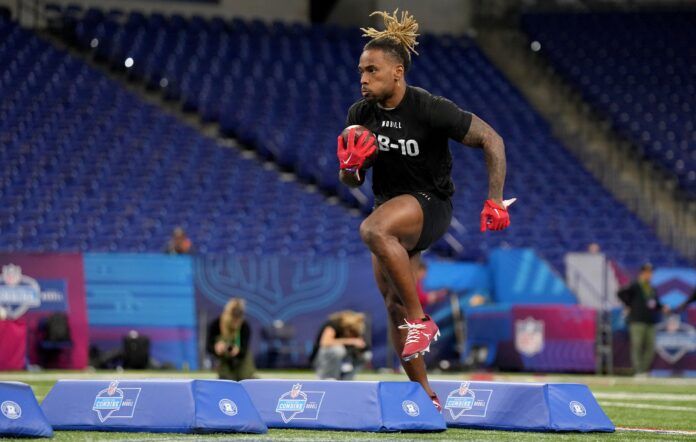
(33, 14)
(29, 13)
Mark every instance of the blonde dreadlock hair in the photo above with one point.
(399, 37)
(232, 318)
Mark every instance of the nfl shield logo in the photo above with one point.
(18, 293)
(112, 388)
(674, 339)
(529, 336)
(295, 390)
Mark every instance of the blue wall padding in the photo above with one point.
(127, 291)
(157, 406)
(20, 414)
(521, 406)
(488, 326)
(458, 276)
(521, 277)
(344, 405)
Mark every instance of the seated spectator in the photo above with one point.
(228, 341)
(340, 350)
(179, 244)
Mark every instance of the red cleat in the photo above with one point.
(436, 402)
(420, 334)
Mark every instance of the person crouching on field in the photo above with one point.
(228, 338)
(340, 350)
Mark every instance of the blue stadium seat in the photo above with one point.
(637, 70)
(87, 166)
(109, 172)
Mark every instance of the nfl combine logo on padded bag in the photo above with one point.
(528, 406)
(465, 401)
(344, 405)
(152, 405)
(114, 402)
(298, 404)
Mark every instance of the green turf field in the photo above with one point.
(632, 404)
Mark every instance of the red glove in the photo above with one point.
(354, 155)
(494, 217)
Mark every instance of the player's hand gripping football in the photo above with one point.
(353, 153)
(495, 217)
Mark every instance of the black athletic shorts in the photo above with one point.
(437, 215)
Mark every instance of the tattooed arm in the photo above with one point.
(483, 136)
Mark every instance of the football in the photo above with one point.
(359, 130)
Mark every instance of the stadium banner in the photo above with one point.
(674, 285)
(344, 405)
(150, 294)
(12, 355)
(489, 331)
(555, 337)
(37, 287)
(675, 334)
(534, 337)
(520, 276)
(458, 277)
(156, 406)
(20, 414)
(288, 299)
(521, 406)
(592, 277)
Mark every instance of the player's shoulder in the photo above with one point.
(420, 94)
(359, 106)
(423, 103)
(423, 99)
(358, 110)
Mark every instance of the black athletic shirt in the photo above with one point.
(414, 155)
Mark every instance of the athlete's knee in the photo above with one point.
(334, 352)
(373, 235)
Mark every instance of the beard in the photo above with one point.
(375, 98)
(369, 96)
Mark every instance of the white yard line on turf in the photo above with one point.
(647, 396)
(646, 406)
(655, 430)
(29, 376)
(588, 379)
